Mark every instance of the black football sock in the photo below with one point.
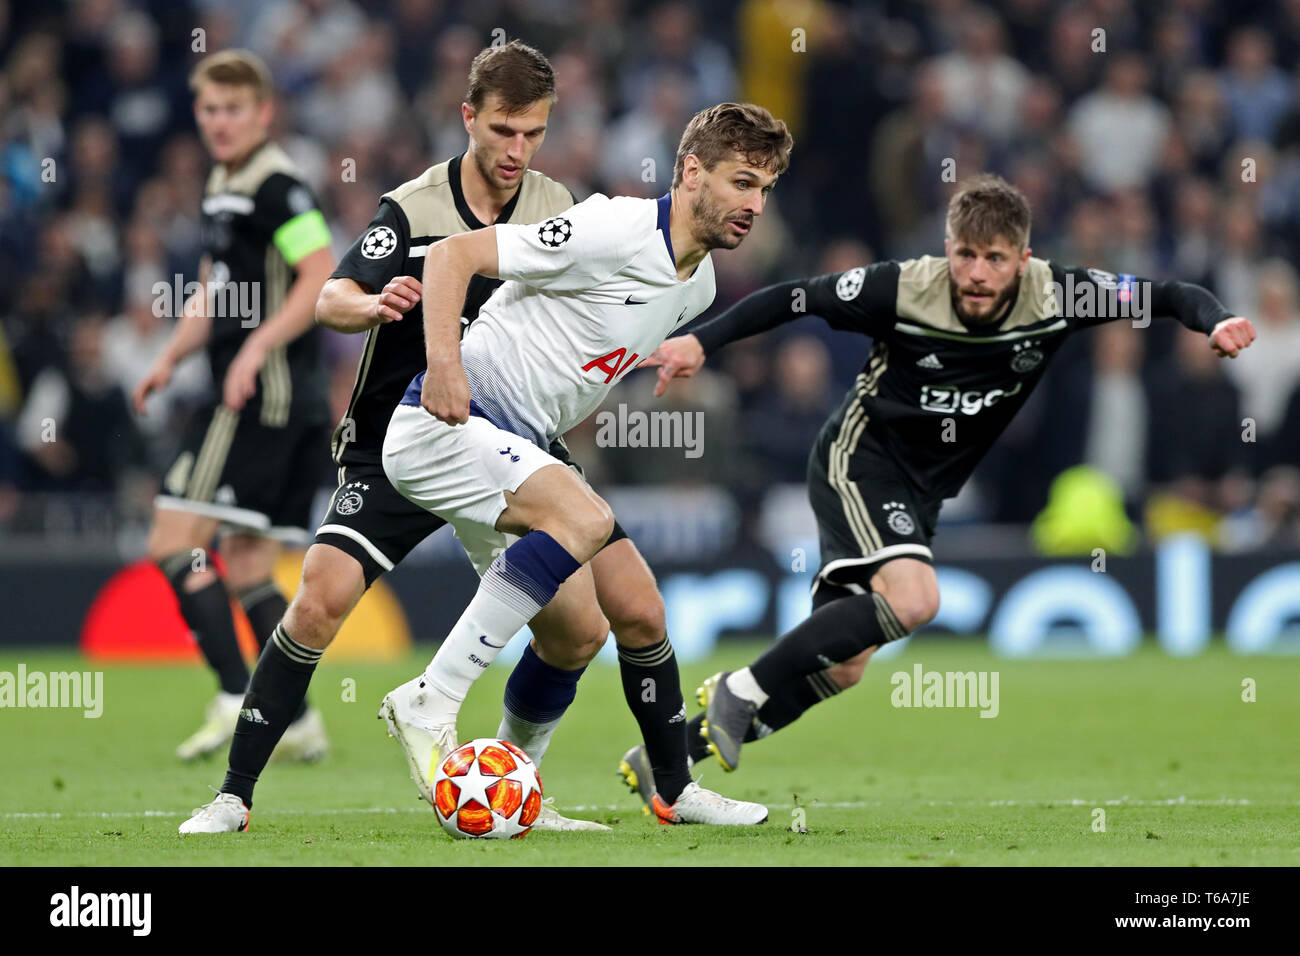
(265, 607)
(831, 634)
(653, 691)
(790, 701)
(782, 709)
(207, 612)
(275, 693)
(697, 746)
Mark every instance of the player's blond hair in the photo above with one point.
(719, 132)
(986, 208)
(234, 68)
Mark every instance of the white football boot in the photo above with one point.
(304, 740)
(697, 805)
(423, 741)
(551, 819)
(225, 814)
(218, 727)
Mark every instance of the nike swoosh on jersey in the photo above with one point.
(631, 301)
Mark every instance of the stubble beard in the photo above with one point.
(489, 172)
(994, 314)
(710, 223)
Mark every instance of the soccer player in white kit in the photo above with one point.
(588, 295)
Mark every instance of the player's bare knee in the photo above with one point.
(313, 619)
(166, 538)
(916, 609)
(576, 645)
(640, 622)
(588, 527)
(592, 641)
(599, 524)
(248, 562)
(327, 593)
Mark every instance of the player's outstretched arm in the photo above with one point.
(1198, 309)
(448, 267)
(345, 306)
(683, 355)
(858, 300)
(1194, 306)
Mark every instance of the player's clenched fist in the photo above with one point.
(400, 296)
(1231, 336)
(445, 393)
(679, 357)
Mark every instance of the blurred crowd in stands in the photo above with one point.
(1160, 139)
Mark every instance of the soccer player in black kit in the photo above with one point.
(959, 342)
(249, 465)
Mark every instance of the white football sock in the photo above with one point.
(498, 610)
(518, 584)
(742, 684)
(532, 738)
(473, 644)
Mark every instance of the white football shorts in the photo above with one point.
(461, 474)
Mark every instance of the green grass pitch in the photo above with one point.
(1185, 771)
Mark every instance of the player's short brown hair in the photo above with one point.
(518, 74)
(234, 68)
(716, 133)
(986, 208)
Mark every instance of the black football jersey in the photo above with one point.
(935, 394)
(411, 218)
(257, 223)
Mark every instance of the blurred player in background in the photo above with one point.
(249, 464)
(588, 292)
(959, 342)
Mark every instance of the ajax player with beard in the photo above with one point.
(959, 342)
(588, 294)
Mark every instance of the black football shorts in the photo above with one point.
(867, 512)
(254, 478)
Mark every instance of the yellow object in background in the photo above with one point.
(376, 630)
(773, 73)
(1085, 510)
(1168, 514)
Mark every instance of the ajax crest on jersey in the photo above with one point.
(1026, 358)
(379, 243)
(487, 788)
(555, 232)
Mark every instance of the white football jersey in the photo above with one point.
(589, 294)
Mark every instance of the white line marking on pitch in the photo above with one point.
(838, 804)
